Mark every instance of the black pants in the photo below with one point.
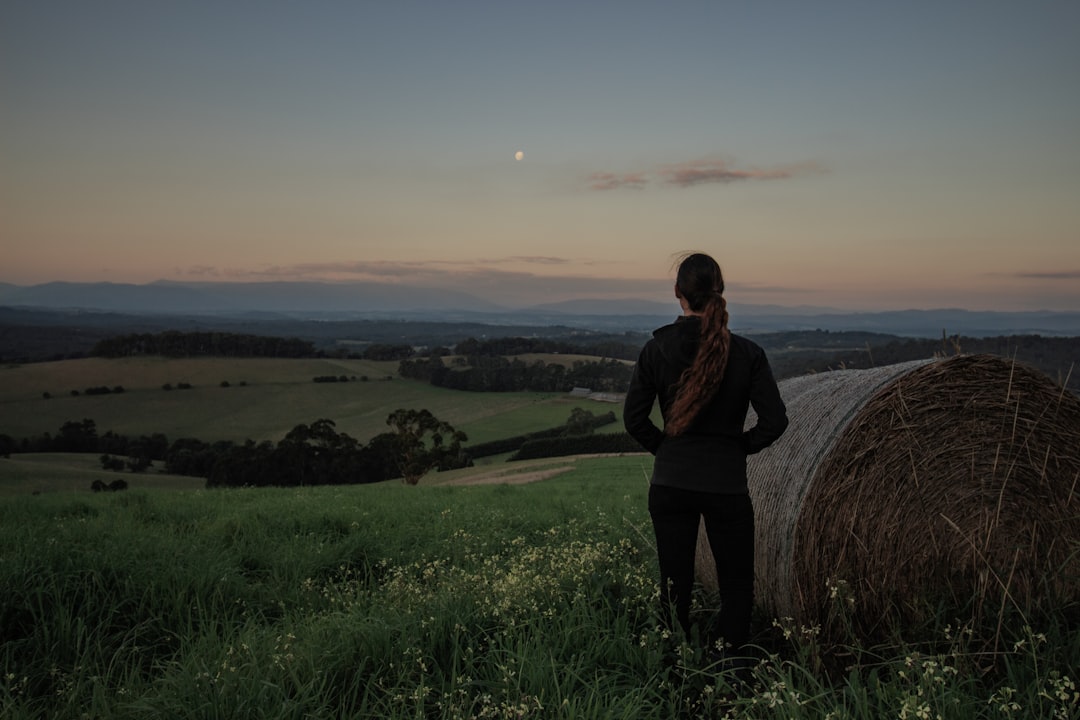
(729, 522)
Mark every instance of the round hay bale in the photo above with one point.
(900, 486)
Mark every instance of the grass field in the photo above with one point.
(276, 396)
(477, 597)
(28, 473)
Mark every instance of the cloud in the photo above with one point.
(528, 259)
(705, 171)
(399, 269)
(198, 271)
(504, 280)
(1056, 275)
(611, 181)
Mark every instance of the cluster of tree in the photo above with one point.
(382, 351)
(102, 390)
(496, 373)
(98, 390)
(173, 343)
(333, 378)
(82, 436)
(135, 463)
(315, 454)
(617, 349)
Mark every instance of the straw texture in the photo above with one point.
(903, 484)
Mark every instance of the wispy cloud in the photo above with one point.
(704, 171)
(502, 279)
(611, 181)
(198, 271)
(400, 269)
(527, 259)
(1053, 275)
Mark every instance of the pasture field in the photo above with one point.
(529, 594)
(276, 395)
(28, 473)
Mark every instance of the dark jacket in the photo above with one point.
(711, 455)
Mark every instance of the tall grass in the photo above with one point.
(388, 601)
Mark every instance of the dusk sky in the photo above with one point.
(859, 155)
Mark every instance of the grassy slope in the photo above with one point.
(388, 601)
(278, 395)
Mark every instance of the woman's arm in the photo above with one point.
(638, 407)
(771, 412)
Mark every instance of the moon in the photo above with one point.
(519, 155)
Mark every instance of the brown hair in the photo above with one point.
(700, 282)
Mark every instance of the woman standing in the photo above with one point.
(705, 379)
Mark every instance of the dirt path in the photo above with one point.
(519, 473)
(511, 476)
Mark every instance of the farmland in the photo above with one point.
(264, 399)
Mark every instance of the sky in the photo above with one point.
(860, 155)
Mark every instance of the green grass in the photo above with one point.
(436, 601)
(277, 396)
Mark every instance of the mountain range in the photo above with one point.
(358, 300)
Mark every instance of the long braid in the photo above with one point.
(701, 380)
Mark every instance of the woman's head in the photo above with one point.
(699, 281)
(699, 284)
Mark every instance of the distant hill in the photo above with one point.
(174, 298)
(268, 301)
(32, 335)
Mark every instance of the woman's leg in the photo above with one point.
(675, 518)
(729, 522)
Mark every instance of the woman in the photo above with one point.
(705, 379)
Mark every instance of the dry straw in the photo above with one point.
(900, 486)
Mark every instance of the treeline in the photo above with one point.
(1055, 357)
(576, 437)
(317, 454)
(496, 373)
(82, 437)
(581, 423)
(314, 454)
(202, 344)
(619, 350)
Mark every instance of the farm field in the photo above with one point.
(264, 400)
(27, 473)
(477, 594)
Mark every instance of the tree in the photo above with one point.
(415, 456)
(77, 437)
(580, 422)
(316, 454)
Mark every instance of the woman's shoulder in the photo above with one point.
(747, 350)
(746, 343)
